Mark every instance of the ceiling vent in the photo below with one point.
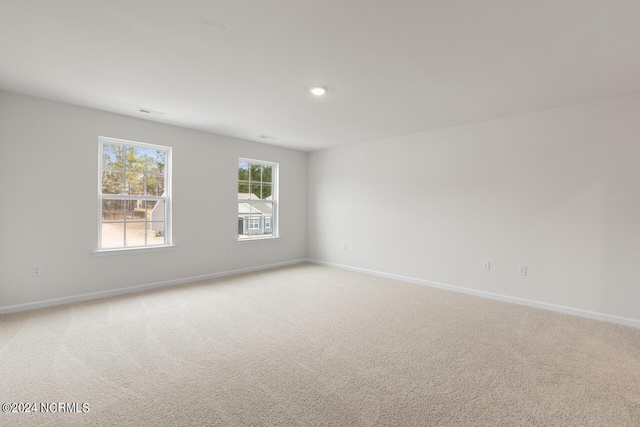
(153, 113)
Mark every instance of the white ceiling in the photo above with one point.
(243, 67)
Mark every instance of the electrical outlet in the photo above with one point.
(36, 270)
(486, 265)
(522, 270)
(228, 251)
(344, 246)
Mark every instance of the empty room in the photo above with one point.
(319, 213)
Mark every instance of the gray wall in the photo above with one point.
(48, 196)
(557, 190)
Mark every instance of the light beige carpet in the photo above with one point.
(314, 346)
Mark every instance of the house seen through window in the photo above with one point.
(257, 199)
(134, 194)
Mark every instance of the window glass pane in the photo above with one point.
(159, 162)
(267, 172)
(155, 233)
(155, 210)
(147, 158)
(149, 205)
(132, 210)
(254, 224)
(266, 191)
(112, 156)
(155, 185)
(112, 210)
(243, 171)
(267, 209)
(256, 207)
(136, 210)
(244, 209)
(268, 227)
(134, 159)
(255, 219)
(135, 233)
(112, 182)
(134, 184)
(256, 190)
(112, 235)
(243, 189)
(154, 160)
(256, 173)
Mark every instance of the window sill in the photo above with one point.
(258, 239)
(120, 251)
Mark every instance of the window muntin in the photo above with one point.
(134, 194)
(257, 199)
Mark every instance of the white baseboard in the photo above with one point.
(138, 288)
(537, 304)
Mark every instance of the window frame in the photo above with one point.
(167, 198)
(275, 226)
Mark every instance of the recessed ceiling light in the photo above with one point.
(318, 90)
(147, 111)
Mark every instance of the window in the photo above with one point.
(134, 194)
(257, 199)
